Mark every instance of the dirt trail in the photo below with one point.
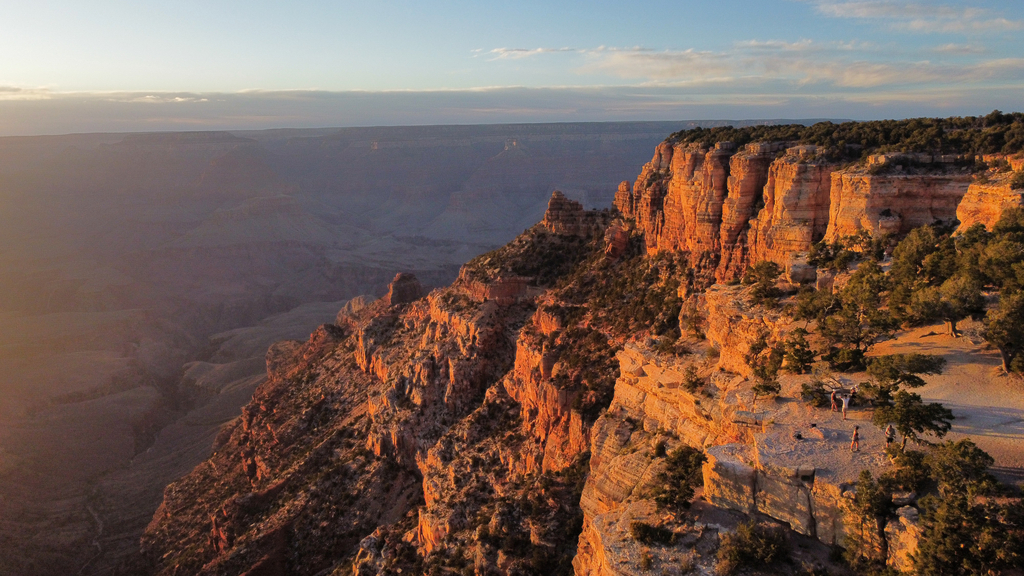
(988, 404)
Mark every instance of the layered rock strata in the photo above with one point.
(796, 207)
(568, 218)
(728, 208)
(892, 203)
(756, 461)
(985, 202)
(403, 289)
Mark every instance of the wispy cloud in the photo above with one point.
(660, 65)
(959, 49)
(800, 46)
(518, 53)
(850, 65)
(920, 16)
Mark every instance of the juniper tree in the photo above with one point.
(860, 319)
(798, 353)
(762, 277)
(892, 372)
(1004, 328)
(765, 362)
(912, 417)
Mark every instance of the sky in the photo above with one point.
(140, 65)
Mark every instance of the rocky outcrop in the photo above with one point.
(985, 202)
(697, 192)
(403, 289)
(567, 217)
(720, 205)
(755, 462)
(903, 534)
(733, 325)
(748, 174)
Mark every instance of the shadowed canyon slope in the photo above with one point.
(144, 275)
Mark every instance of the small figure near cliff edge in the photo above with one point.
(890, 435)
(833, 397)
(846, 404)
(855, 443)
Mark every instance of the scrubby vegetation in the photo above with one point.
(934, 276)
(681, 477)
(765, 361)
(752, 545)
(647, 534)
(967, 528)
(1017, 182)
(537, 254)
(603, 303)
(588, 361)
(990, 134)
(761, 278)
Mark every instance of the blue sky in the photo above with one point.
(131, 65)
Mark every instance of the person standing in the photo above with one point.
(834, 407)
(846, 404)
(855, 443)
(890, 435)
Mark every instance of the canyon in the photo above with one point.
(456, 432)
(514, 416)
(145, 275)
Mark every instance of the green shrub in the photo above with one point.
(650, 535)
(692, 382)
(762, 278)
(682, 475)
(816, 394)
(798, 353)
(646, 561)
(751, 545)
(1017, 182)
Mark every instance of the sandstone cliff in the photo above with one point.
(728, 208)
(755, 464)
(986, 201)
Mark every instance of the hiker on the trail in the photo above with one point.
(855, 443)
(846, 404)
(890, 435)
(834, 407)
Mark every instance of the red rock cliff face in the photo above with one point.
(796, 208)
(891, 203)
(700, 201)
(730, 208)
(748, 174)
(647, 201)
(693, 209)
(985, 202)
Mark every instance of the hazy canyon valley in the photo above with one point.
(144, 275)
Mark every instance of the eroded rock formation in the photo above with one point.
(403, 289)
(892, 203)
(985, 202)
(728, 208)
